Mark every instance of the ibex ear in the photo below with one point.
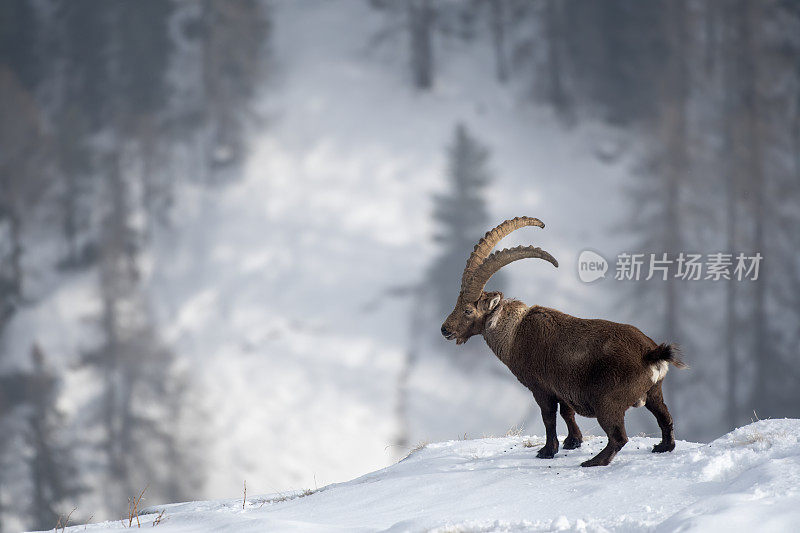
(495, 300)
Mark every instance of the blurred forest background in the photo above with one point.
(229, 231)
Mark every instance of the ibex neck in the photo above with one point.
(502, 325)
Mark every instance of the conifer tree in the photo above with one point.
(135, 406)
(93, 124)
(230, 37)
(54, 475)
(460, 218)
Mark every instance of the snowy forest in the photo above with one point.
(230, 230)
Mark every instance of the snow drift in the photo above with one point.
(747, 480)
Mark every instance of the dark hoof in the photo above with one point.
(546, 453)
(662, 447)
(570, 443)
(596, 461)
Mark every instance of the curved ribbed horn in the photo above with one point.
(492, 237)
(498, 260)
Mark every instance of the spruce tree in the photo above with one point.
(53, 471)
(231, 40)
(134, 407)
(460, 218)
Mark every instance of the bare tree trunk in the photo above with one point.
(499, 40)
(47, 483)
(749, 20)
(16, 251)
(420, 20)
(402, 409)
(70, 220)
(402, 440)
(554, 28)
(730, 158)
(732, 374)
(113, 262)
(674, 123)
(712, 19)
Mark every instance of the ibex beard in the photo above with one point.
(595, 368)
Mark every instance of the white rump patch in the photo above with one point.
(659, 370)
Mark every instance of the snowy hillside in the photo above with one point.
(747, 480)
(230, 232)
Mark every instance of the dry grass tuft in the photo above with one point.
(751, 438)
(515, 431)
(133, 510)
(286, 497)
(420, 445)
(63, 525)
(755, 436)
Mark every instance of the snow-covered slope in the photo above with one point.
(747, 480)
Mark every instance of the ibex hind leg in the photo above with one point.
(614, 426)
(574, 436)
(549, 406)
(655, 404)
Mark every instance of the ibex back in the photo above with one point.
(595, 368)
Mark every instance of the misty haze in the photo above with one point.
(231, 231)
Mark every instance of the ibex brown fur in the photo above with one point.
(595, 368)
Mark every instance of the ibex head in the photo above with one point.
(474, 306)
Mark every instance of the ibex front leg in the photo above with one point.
(549, 406)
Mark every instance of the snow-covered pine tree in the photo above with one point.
(460, 219)
(134, 405)
(95, 119)
(22, 182)
(13, 474)
(419, 24)
(229, 40)
(39, 476)
(54, 474)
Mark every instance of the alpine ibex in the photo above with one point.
(595, 368)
